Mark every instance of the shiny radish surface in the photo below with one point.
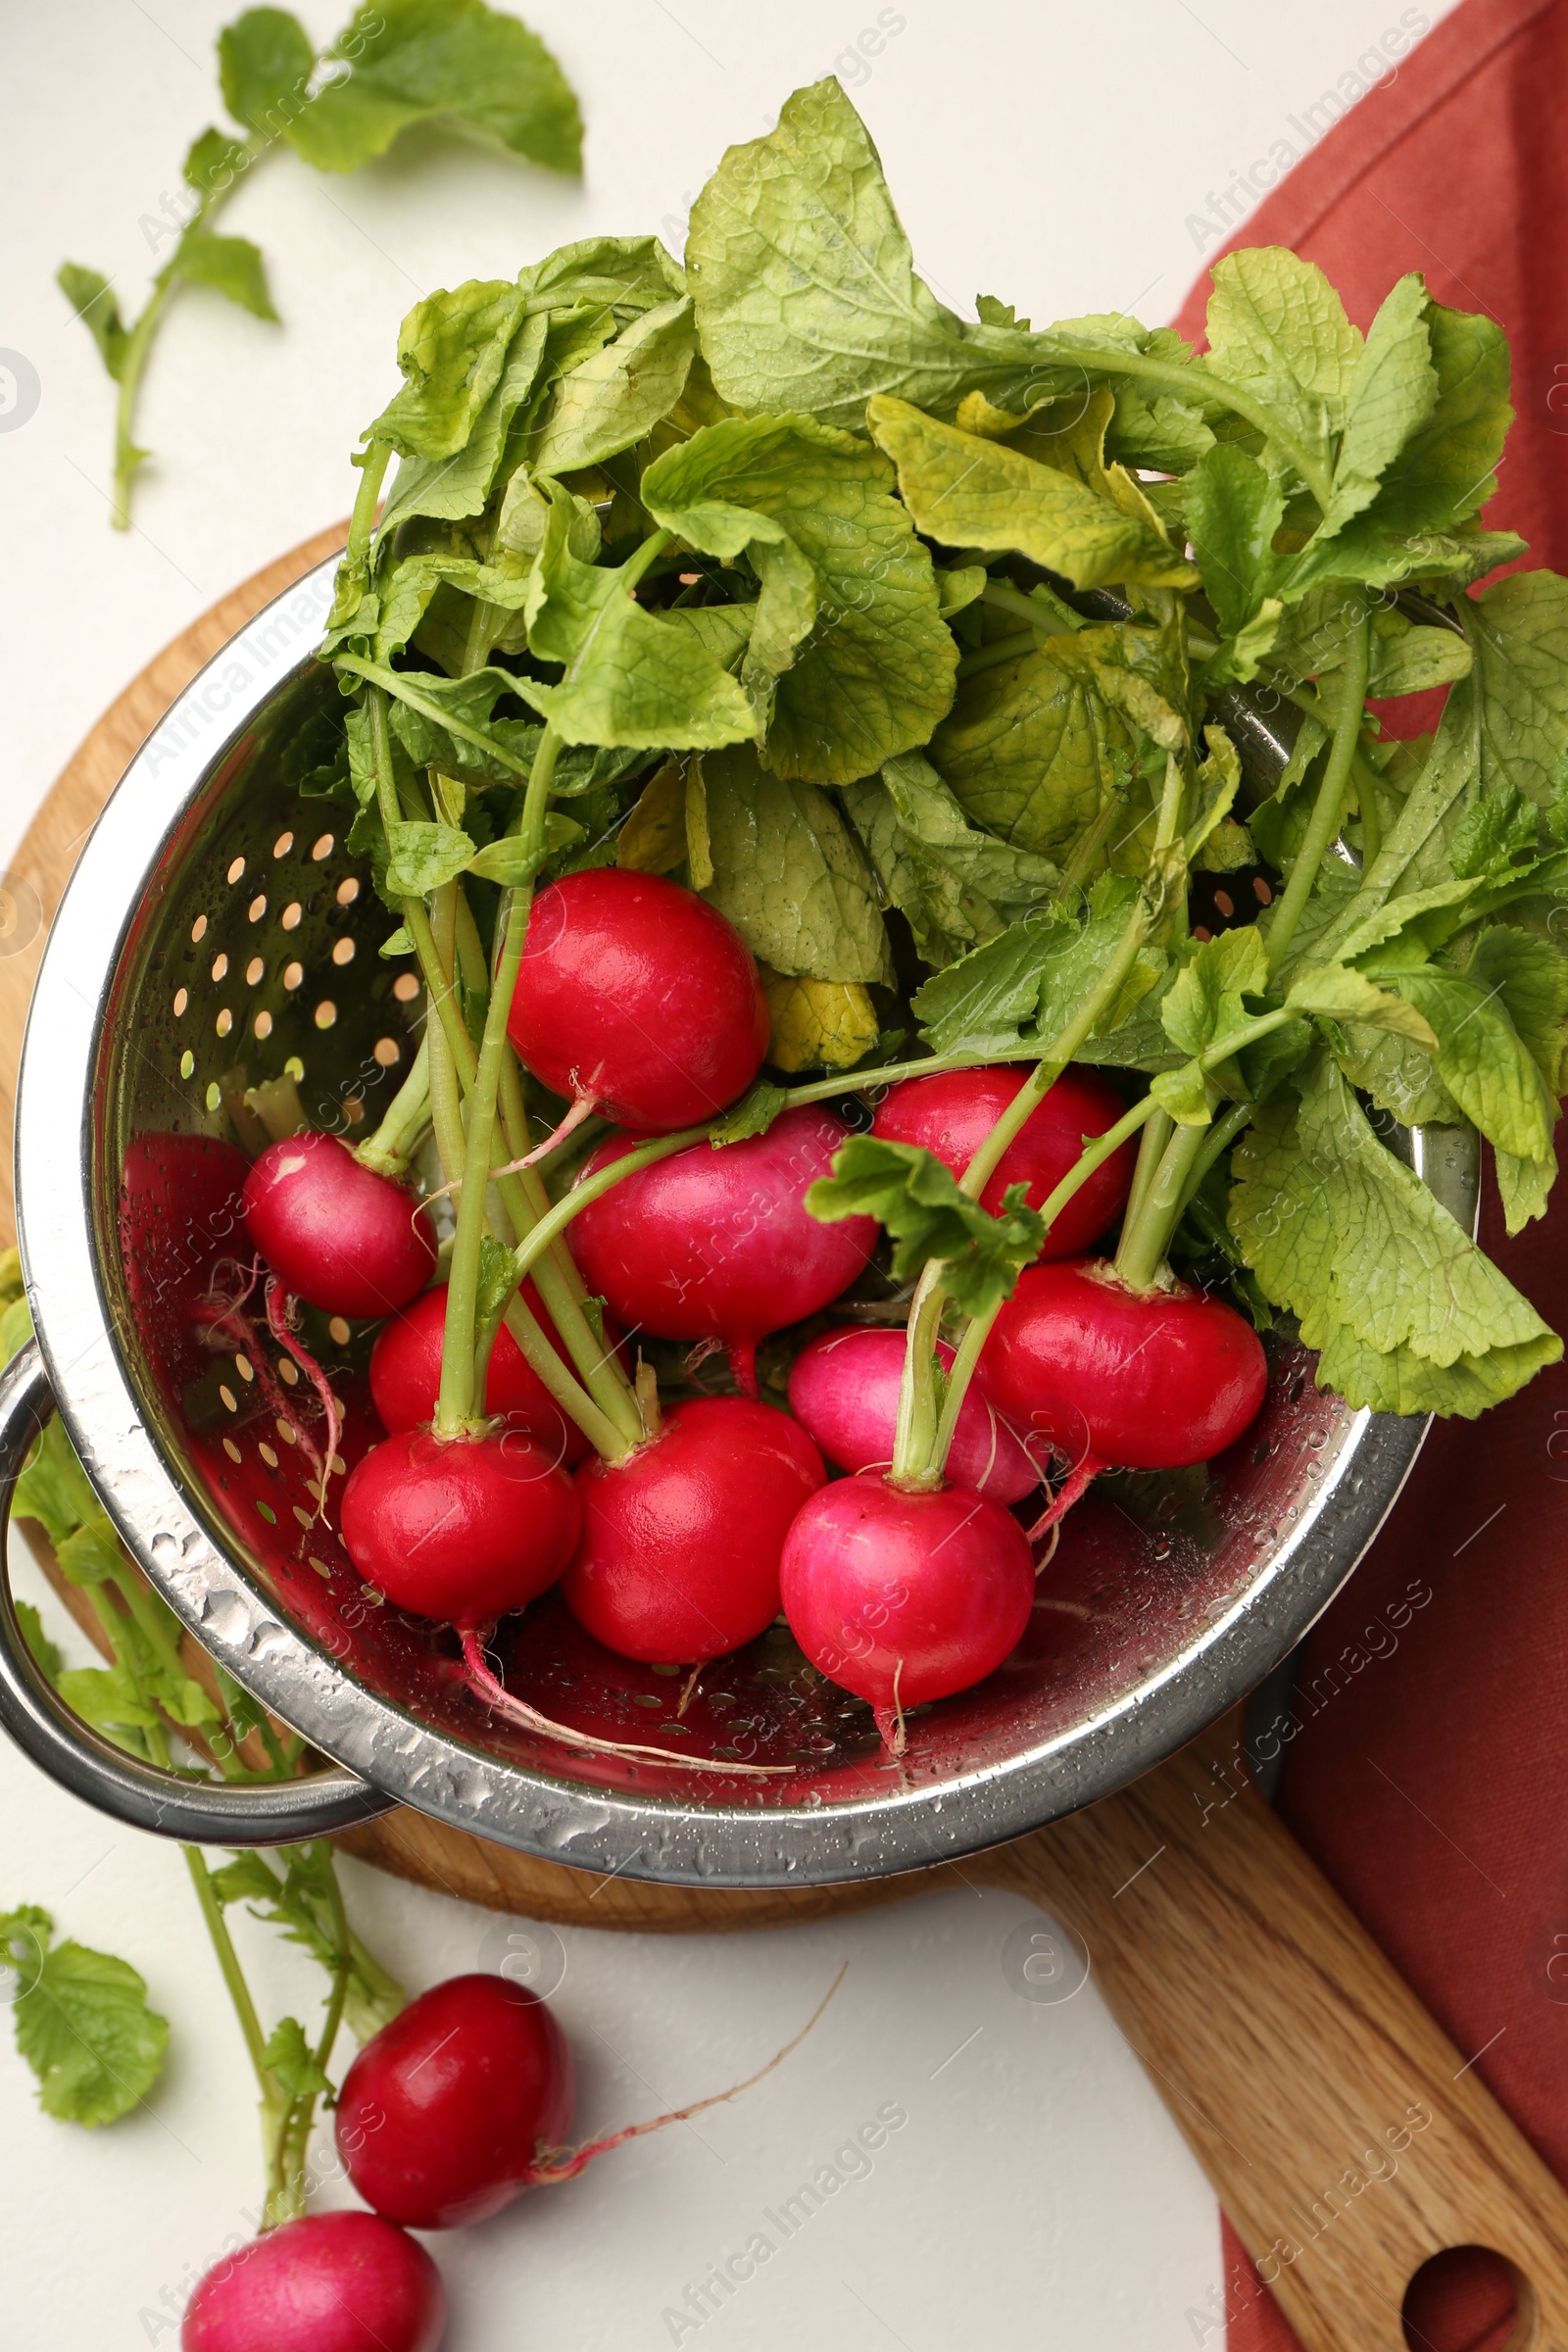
(718, 1244)
(953, 1112)
(905, 1598)
(638, 998)
(459, 1528)
(330, 2282)
(1145, 1379)
(680, 1547)
(406, 1376)
(445, 2112)
(334, 1233)
(844, 1388)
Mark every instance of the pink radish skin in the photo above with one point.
(719, 1244)
(844, 1388)
(445, 2112)
(461, 1528)
(331, 2282)
(953, 1112)
(406, 1376)
(1146, 1380)
(639, 998)
(680, 1546)
(335, 1234)
(905, 1598)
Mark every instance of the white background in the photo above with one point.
(1050, 154)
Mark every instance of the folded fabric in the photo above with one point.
(1425, 1769)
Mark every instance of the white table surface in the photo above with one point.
(1057, 157)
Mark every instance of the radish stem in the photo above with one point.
(1328, 810)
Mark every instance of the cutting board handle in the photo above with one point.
(1347, 2138)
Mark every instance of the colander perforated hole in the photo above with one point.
(325, 1014)
(181, 1000)
(262, 1024)
(343, 951)
(255, 910)
(289, 1373)
(231, 1400)
(236, 870)
(232, 1450)
(293, 974)
(347, 891)
(405, 987)
(219, 968)
(322, 847)
(198, 929)
(290, 916)
(267, 1455)
(282, 845)
(254, 970)
(387, 1051)
(244, 1367)
(187, 1064)
(225, 1022)
(339, 1331)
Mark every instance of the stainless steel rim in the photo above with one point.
(551, 1817)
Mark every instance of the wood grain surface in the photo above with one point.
(1347, 2138)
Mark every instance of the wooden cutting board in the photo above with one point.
(1347, 2138)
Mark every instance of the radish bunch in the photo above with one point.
(520, 1452)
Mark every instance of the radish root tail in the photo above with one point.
(1067, 1494)
(495, 1694)
(555, 2165)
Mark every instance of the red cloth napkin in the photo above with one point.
(1426, 1770)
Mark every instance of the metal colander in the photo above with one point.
(219, 937)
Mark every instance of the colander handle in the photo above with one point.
(90, 1766)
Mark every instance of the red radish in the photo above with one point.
(902, 1597)
(681, 1546)
(461, 1529)
(335, 1234)
(718, 1242)
(331, 2282)
(844, 1386)
(953, 1112)
(445, 2113)
(637, 996)
(406, 1376)
(1147, 1379)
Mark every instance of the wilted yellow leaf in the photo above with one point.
(652, 840)
(828, 1022)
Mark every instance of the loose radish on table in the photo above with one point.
(328, 2283)
(406, 1376)
(905, 1596)
(335, 1233)
(679, 1557)
(718, 1244)
(1145, 1379)
(445, 2115)
(636, 998)
(953, 1112)
(844, 1386)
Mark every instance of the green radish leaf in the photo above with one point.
(1519, 635)
(919, 1200)
(230, 266)
(213, 161)
(631, 680)
(510, 862)
(88, 294)
(264, 62)
(91, 1554)
(1335, 992)
(1481, 1057)
(107, 1698)
(300, 1904)
(789, 874)
(619, 394)
(1204, 1001)
(82, 2023)
(1013, 996)
(425, 855)
(289, 2057)
(957, 886)
(1233, 510)
(971, 492)
(849, 661)
(806, 292)
(416, 61)
(452, 348)
(1278, 329)
(45, 1655)
(1524, 1187)
(753, 1115)
(1393, 393)
(1446, 470)
(1350, 1238)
